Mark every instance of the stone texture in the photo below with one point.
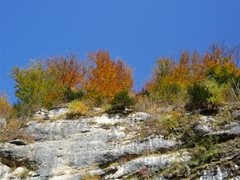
(57, 112)
(50, 114)
(110, 146)
(139, 116)
(236, 114)
(19, 172)
(151, 163)
(4, 171)
(41, 114)
(76, 144)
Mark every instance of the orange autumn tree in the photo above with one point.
(106, 77)
(197, 68)
(68, 71)
(189, 70)
(5, 107)
(180, 75)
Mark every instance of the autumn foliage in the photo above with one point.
(172, 80)
(5, 107)
(106, 77)
(199, 80)
(68, 72)
(48, 83)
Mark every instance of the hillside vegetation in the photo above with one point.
(194, 81)
(78, 119)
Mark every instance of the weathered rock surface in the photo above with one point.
(4, 171)
(108, 146)
(236, 114)
(51, 114)
(73, 145)
(57, 112)
(152, 163)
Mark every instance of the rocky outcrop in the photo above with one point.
(110, 147)
(51, 114)
(151, 163)
(73, 145)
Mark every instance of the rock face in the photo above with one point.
(68, 146)
(151, 163)
(109, 147)
(50, 114)
(4, 171)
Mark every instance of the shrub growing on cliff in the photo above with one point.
(198, 94)
(206, 94)
(77, 108)
(121, 101)
(71, 94)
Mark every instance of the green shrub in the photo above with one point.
(169, 93)
(207, 94)
(218, 92)
(199, 95)
(174, 120)
(70, 94)
(121, 101)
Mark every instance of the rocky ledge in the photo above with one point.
(114, 147)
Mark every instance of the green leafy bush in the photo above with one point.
(70, 94)
(121, 101)
(171, 92)
(218, 92)
(207, 94)
(199, 95)
(167, 93)
(173, 120)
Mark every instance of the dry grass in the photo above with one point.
(77, 108)
(14, 131)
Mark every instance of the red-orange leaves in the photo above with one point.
(171, 77)
(68, 71)
(181, 73)
(106, 77)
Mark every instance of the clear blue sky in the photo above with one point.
(137, 31)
